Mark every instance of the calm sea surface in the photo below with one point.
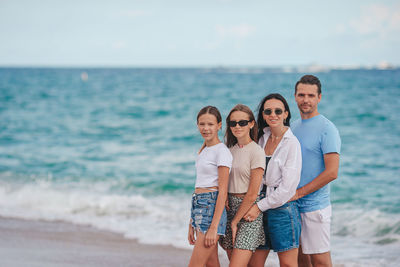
(117, 150)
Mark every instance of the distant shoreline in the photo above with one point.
(223, 68)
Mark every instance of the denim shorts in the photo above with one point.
(282, 227)
(203, 206)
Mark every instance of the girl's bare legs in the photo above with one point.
(240, 257)
(286, 258)
(201, 253)
(258, 258)
(213, 260)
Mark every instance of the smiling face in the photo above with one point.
(307, 99)
(275, 120)
(241, 132)
(208, 128)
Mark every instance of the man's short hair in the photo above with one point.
(309, 79)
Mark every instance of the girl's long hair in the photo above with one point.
(209, 110)
(230, 139)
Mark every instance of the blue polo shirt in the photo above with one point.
(317, 136)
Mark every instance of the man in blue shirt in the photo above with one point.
(320, 148)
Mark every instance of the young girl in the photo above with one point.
(242, 237)
(208, 216)
(283, 158)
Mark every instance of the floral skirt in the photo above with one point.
(249, 235)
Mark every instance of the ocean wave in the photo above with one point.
(156, 220)
(163, 218)
(99, 204)
(370, 226)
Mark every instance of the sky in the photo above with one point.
(152, 33)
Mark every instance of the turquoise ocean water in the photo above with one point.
(117, 151)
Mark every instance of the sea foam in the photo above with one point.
(157, 219)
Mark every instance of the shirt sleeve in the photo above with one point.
(224, 157)
(330, 141)
(290, 171)
(257, 159)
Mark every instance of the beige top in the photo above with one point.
(249, 157)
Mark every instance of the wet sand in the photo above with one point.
(40, 243)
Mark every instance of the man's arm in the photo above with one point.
(328, 175)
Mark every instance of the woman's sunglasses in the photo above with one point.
(241, 123)
(268, 111)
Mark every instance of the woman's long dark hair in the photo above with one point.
(230, 139)
(260, 120)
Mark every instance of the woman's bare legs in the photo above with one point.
(288, 258)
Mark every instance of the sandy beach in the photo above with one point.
(41, 243)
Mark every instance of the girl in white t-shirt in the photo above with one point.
(208, 214)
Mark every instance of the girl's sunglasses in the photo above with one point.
(241, 123)
(268, 111)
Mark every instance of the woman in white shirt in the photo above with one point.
(208, 214)
(282, 223)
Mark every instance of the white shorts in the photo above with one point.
(315, 231)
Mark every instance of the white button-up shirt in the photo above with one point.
(283, 170)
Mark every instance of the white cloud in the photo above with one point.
(395, 19)
(238, 31)
(232, 36)
(377, 19)
(210, 46)
(119, 44)
(133, 13)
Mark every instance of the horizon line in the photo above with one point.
(313, 66)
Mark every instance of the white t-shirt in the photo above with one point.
(207, 163)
